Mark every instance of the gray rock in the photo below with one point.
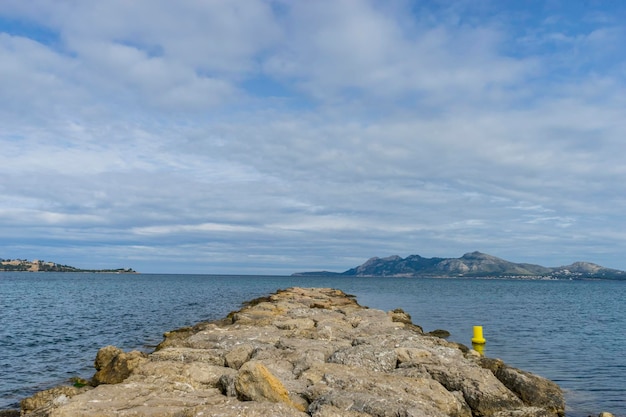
(482, 391)
(524, 412)
(378, 394)
(199, 375)
(226, 384)
(532, 389)
(238, 355)
(247, 409)
(188, 355)
(366, 356)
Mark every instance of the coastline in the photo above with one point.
(24, 265)
(304, 352)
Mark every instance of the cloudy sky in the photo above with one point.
(274, 136)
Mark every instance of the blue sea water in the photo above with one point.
(573, 332)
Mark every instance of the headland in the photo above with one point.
(23, 265)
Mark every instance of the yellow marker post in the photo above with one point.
(478, 336)
(478, 341)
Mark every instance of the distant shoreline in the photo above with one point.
(23, 265)
(83, 271)
(472, 265)
(477, 277)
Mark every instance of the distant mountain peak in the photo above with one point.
(477, 255)
(583, 267)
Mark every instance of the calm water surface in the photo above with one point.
(573, 332)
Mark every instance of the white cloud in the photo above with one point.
(344, 48)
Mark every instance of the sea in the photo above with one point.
(572, 332)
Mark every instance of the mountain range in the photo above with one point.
(473, 264)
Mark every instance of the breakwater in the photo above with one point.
(303, 352)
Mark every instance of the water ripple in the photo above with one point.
(571, 332)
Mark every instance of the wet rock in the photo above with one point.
(444, 334)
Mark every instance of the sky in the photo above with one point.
(277, 136)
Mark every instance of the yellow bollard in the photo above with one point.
(478, 336)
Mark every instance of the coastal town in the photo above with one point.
(23, 265)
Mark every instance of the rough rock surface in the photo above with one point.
(302, 352)
(113, 365)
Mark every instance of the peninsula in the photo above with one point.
(22, 265)
(474, 264)
(302, 352)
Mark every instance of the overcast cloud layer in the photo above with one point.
(278, 136)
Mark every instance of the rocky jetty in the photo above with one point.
(303, 352)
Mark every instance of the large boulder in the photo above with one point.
(113, 365)
(255, 382)
(43, 401)
(482, 391)
(238, 355)
(533, 390)
(361, 390)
